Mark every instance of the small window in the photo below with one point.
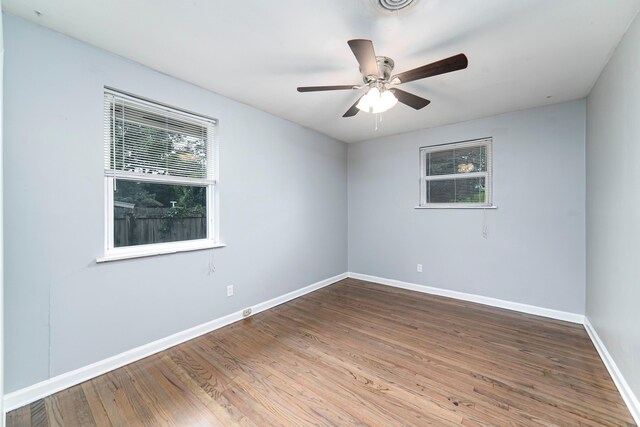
(456, 175)
(159, 178)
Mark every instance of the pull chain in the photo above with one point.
(212, 262)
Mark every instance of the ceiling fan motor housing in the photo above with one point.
(385, 66)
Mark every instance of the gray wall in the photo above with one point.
(534, 253)
(613, 206)
(283, 201)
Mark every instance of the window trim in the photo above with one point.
(488, 174)
(112, 253)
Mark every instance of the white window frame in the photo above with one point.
(111, 252)
(487, 175)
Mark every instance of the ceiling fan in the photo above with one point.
(376, 74)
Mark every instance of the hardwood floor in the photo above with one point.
(356, 353)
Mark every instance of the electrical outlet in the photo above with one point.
(246, 312)
(230, 290)
(419, 268)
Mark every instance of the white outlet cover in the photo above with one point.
(419, 268)
(229, 290)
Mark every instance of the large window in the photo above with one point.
(456, 175)
(159, 178)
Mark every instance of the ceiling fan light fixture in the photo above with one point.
(376, 102)
(371, 98)
(388, 100)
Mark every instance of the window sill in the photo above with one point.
(455, 207)
(159, 249)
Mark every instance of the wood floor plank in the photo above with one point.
(20, 417)
(54, 413)
(96, 405)
(142, 405)
(156, 379)
(356, 353)
(39, 416)
(72, 407)
(111, 395)
(209, 395)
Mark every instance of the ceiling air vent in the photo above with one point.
(394, 5)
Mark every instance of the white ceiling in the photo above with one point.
(522, 53)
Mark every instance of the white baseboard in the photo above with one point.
(623, 387)
(45, 388)
(493, 302)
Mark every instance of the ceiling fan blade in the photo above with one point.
(366, 56)
(321, 88)
(353, 110)
(413, 101)
(454, 63)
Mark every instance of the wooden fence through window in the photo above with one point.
(139, 226)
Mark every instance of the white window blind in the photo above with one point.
(457, 174)
(149, 142)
